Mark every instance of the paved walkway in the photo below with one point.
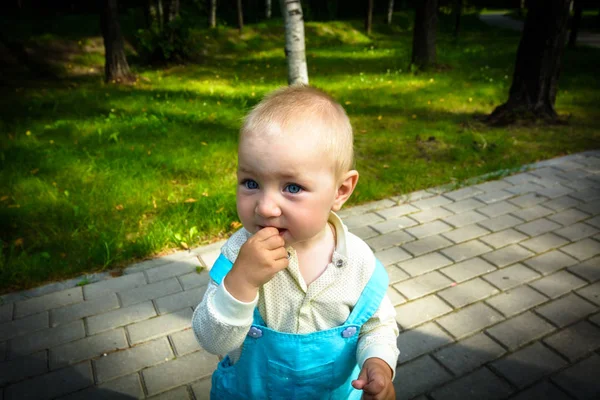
(501, 20)
(496, 285)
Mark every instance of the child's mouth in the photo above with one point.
(281, 230)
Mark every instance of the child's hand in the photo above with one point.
(375, 380)
(260, 258)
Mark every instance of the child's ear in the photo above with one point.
(345, 189)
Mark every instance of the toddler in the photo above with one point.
(296, 302)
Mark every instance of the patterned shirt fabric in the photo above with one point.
(287, 304)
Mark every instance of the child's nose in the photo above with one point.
(267, 207)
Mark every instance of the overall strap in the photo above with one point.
(220, 268)
(371, 296)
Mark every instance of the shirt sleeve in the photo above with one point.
(378, 337)
(221, 322)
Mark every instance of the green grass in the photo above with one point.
(94, 176)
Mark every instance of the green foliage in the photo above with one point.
(171, 43)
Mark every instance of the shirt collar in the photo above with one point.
(340, 253)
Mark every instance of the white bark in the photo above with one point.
(390, 12)
(212, 14)
(295, 50)
(268, 9)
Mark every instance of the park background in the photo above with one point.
(96, 174)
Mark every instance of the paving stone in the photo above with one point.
(427, 245)
(395, 224)
(566, 310)
(468, 269)
(361, 220)
(422, 310)
(428, 229)
(23, 367)
(492, 186)
(185, 342)
(577, 231)
(586, 195)
(6, 312)
(421, 340)
(550, 262)
(519, 179)
(87, 348)
(395, 297)
(46, 338)
(98, 305)
(208, 258)
(508, 255)
(480, 384)
(529, 364)
(430, 214)
(367, 207)
(524, 188)
(509, 277)
(589, 270)
(194, 280)
(392, 256)
(120, 317)
(466, 233)
(575, 341)
(431, 202)
(583, 249)
(172, 269)
(125, 362)
(581, 380)
(557, 284)
(465, 218)
(396, 274)
(201, 389)
(127, 387)
(528, 200)
(463, 193)
(23, 326)
(179, 372)
(554, 192)
(569, 217)
(422, 285)
(364, 232)
(181, 393)
(542, 390)
(159, 326)
(467, 292)
(178, 301)
(389, 240)
(397, 211)
(591, 292)
(516, 300)
(423, 264)
(108, 286)
(503, 238)
(414, 196)
(531, 213)
(150, 291)
(500, 223)
(53, 384)
(3, 350)
(492, 197)
(469, 320)
(545, 242)
(537, 227)
(592, 207)
(561, 203)
(468, 354)
(464, 205)
(419, 376)
(47, 302)
(463, 251)
(497, 209)
(520, 330)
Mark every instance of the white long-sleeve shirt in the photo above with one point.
(287, 304)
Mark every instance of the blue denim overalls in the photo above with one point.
(289, 366)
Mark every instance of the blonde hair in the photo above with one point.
(300, 105)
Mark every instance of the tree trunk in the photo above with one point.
(535, 80)
(575, 23)
(240, 15)
(268, 9)
(390, 12)
(171, 11)
(458, 6)
(522, 8)
(369, 18)
(151, 14)
(212, 14)
(423, 50)
(116, 67)
(294, 41)
(160, 14)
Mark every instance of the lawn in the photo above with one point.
(94, 176)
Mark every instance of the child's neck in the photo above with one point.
(314, 258)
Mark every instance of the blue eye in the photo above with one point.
(250, 184)
(293, 188)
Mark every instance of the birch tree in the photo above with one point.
(390, 12)
(268, 9)
(295, 50)
(212, 14)
(369, 17)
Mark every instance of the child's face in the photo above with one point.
(285, 182)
